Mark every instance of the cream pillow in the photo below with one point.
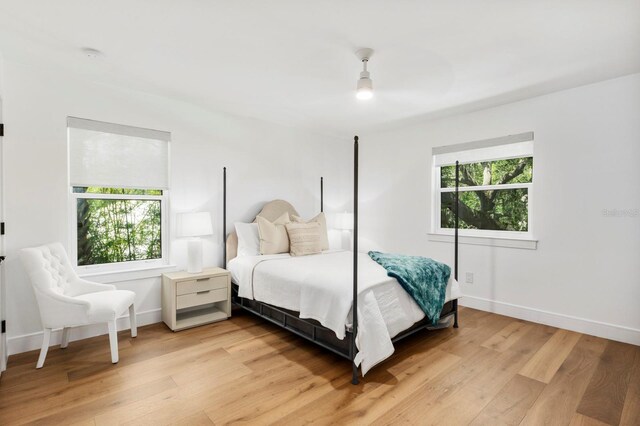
(273, 235)
(322, 220)
(304, 238)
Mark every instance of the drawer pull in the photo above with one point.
(202, 279)
(203, 292)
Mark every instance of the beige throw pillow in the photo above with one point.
(322, 220)
(304, 238)
(273, 235)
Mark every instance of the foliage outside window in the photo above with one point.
(118, 225)
(494, 195)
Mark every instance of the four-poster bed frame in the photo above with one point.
(312, 330)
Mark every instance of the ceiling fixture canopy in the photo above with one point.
(364, 90)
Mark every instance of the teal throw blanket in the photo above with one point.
(424, 279)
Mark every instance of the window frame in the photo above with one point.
(436, 200)
(118, 266)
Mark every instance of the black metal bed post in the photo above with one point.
(321, 194)
(354, 349)
(455, 243)
(224, 215)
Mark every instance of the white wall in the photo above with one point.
(585, 274)
(264, 162)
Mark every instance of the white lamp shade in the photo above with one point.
(344, 221)
(194, 224)
(365, 89)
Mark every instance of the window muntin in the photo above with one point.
(484, 173)
(495, 193)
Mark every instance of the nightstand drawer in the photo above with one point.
(201, 298)
(201, 284)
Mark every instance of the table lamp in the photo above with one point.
(194, 226)
(344, 222)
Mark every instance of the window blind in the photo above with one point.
(512, 146)
(117, 156)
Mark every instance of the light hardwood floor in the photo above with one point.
(493, 370)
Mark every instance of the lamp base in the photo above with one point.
(194, 253)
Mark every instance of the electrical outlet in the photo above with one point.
(469, 278)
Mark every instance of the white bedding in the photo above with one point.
(320, 287)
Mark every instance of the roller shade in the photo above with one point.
(117, 156)
(512, 146)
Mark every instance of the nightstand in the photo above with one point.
(190, 300)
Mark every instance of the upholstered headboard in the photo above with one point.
(270, 211)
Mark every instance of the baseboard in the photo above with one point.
(581, 325)
(29, 342)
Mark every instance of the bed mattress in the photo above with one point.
(320, 287)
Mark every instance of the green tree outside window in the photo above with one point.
(118, 230)
(494, 209)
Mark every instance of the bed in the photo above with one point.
(313, 296)
(318, 287)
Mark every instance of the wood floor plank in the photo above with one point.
(605, 396)
(245, 370)
(469, 339)
(476, 393)
(580, 420)
(270, 389)
(506, 337)
(229, 399)
(631, 410)
(449, 382)
(510, 405)
(366, 407)
(544, 364)
(78, 412)
(342, 396)
(197, 419)
(86, 422)
(173, 404)
(559, 400)
(478, 367)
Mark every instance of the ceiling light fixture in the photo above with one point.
(364, 89)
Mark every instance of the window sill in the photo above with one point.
(128, 275)
(520, 243)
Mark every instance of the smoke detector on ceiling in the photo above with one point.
(90, 52)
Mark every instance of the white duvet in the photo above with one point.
(320, 287)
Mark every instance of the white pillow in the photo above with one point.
(248, 239)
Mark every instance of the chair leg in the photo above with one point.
(65, 338)
(133, 320)
(113, 341)
(46, 338)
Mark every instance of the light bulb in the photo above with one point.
(364, 93)
(364, 89)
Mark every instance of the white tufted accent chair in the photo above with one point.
(65, 300)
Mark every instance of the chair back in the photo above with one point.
(48, 268)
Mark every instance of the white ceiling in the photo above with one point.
(292, 61)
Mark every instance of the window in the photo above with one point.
(495, 187)
(117, 225)
(119, 192)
